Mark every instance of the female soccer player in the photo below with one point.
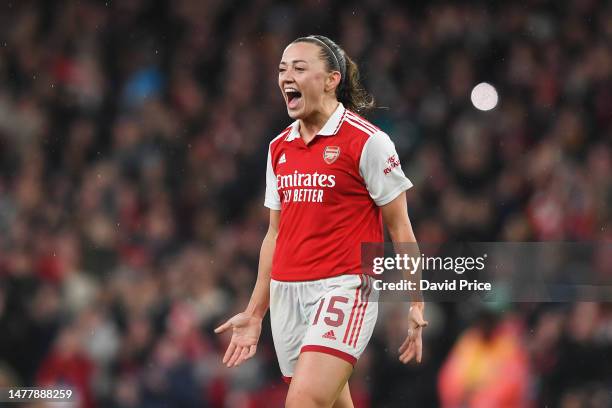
(332, 178)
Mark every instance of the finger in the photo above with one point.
(420, 322)
(408, 355)
(252, 351)
(234, 357)
(223, 327)
(241, 357)
(405, 344)
(409, 350)
(419, 349)
(229, 352)
(423, 323)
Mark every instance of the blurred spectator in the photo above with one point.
(68, 366)
(488, 366)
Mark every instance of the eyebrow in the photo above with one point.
(294, 61)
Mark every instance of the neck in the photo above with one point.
(311, 125)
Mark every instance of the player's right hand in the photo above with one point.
(243, 345)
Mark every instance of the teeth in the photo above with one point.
(291, 90)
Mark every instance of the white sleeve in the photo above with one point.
(380, 168)
(272, 200)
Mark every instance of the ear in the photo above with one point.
(332, 81)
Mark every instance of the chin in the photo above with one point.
(295, 114)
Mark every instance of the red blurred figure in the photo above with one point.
(67, 366)
(488, 367)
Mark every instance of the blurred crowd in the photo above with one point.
(133, 139)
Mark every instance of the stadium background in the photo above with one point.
(133, 138)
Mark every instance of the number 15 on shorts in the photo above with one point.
(333, 315)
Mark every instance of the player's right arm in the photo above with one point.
(246, 326)
(260, 299)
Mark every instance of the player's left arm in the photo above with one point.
(386, 182)
(395, 217)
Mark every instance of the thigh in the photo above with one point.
(288, 325)
(318, 381)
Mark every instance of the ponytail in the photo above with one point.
(352, 94)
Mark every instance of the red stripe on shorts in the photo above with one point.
(331, 351)
(367, 296)
(359, 309)
(348, 327)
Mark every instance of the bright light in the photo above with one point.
(484, 96)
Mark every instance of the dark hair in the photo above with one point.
(349, 91)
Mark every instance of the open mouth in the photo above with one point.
(293, 98)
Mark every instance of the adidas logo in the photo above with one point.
(282, 159)
(330, 335)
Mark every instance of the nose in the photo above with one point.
(286, 76)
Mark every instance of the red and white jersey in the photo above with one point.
(329, 193)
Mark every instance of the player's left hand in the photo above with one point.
(413, 345)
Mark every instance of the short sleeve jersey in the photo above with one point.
(329, 193)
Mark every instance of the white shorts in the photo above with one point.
(334, 316)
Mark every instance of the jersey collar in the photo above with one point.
(329, 129)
